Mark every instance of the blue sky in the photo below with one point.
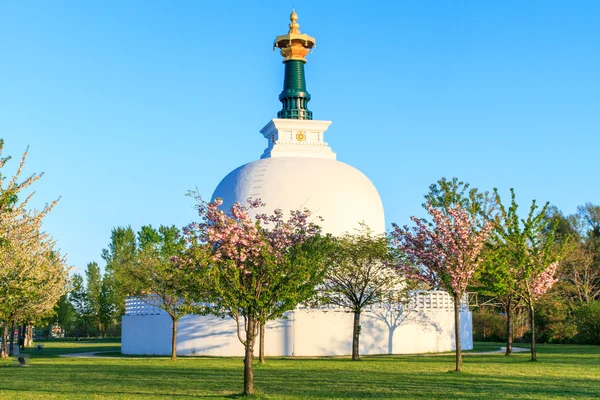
(127, 105)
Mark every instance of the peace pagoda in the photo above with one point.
(299, 170)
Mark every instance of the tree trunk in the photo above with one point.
(509, 328)
(356, 336)
(261, 347)
(457, 334)
(174, 339)
(249, 358)
(28, 335)
(11, 344)
(532, 323)
(4, 351)
(22, 337)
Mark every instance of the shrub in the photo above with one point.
(587, 317)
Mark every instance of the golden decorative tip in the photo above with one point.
(294, 45)
(294, 26)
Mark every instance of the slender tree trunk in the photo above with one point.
(532, 323)
(261, 347)
(356, 336)
(4, 351)
(457, 334)
(509, 327)
(22, 337)
(28, 335)
(11, 348)
(174, 339)
(249, 357)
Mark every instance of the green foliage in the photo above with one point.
(360, 274)
(154, 274)
(120, 255)
(554, 320)
(488, 324)
(78, 296)
(587, 317)
(444, 193)
(93, 280)
(65, 315)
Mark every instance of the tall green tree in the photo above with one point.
(120, 255)
(65, 315)
(93, 278)
(106, 305)
(84, 313)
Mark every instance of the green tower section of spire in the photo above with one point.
(294, 97)
(294, 47)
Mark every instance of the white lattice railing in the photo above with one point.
(417, 300)
(135, 306)
(425, 300)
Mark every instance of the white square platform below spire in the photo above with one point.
(296, 138)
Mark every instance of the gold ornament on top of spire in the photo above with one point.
(294, 45)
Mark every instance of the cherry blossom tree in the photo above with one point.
(260, 267)
(33, 273)
(444, 254)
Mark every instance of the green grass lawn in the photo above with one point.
(563, 371)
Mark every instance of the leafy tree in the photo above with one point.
(106, 308)
(93, 279)
(444, 254)
(523, 260)
(360, 276)
(79, 298)
(121, 255)
(156, 276)
(33, 273)
(260, 268)
(65, 315)
(504, 256)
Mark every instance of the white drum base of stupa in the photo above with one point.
(425, 326)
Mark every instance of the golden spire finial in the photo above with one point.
(294, 26)
(294, 45)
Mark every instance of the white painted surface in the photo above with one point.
(339, 193)
(304, 333)
(296, 138)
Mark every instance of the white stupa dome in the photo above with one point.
(339, 193)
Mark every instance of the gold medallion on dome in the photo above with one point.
(300, 136)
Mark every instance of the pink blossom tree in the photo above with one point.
(444, 254)
(259, 268)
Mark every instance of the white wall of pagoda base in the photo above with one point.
(304, 333)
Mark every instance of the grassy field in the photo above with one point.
(563, 371)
